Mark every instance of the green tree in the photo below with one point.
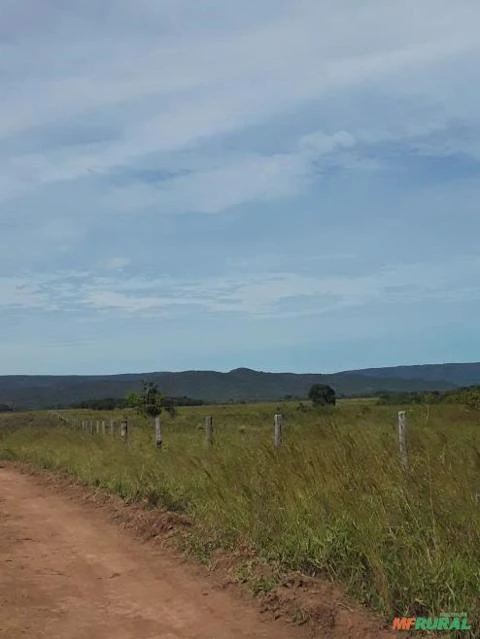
(322, 395)
(150, 401)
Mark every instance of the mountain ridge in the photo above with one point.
(238, 384)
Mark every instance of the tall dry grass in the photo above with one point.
(333, 501)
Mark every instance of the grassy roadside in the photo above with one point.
(333, 501)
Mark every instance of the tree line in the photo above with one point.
(120, 403)
(467, 395)
(318, 394)
(150, 401)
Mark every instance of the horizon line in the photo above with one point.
(239, 368)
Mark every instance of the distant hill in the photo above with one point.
(241, 384)
(457, 374)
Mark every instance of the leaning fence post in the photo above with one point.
(278, 424)
(158, 432)
(402, 437)
(124, 430)
(209, 431)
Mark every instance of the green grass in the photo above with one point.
(334, 501)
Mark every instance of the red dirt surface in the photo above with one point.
(67, 571)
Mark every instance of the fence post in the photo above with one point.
(124, 429)
(97, 427)
(278, 424)
(103, 428)
(402, 437)
(112, 427)
(209, 430)
(158, 432)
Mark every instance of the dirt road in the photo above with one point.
(67, 572)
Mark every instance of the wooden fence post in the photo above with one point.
(91, 427)
(103, 428)
(278, 424)
(402, 437)
(158, 432)
(97, 427)
(124, 430)
(112, 427)
(209, 430)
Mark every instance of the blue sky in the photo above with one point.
(285, 185)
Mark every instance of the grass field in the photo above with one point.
(333, 501)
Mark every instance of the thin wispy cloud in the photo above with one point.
(254, 294)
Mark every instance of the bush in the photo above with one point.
(322, 395)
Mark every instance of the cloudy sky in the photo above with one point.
(284, 185)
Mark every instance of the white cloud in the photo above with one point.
(23, 292)
(255, 294)
(116, 263)
(166, 91)
(111, 300)
(318, 143)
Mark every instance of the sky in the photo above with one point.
(285, 185)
